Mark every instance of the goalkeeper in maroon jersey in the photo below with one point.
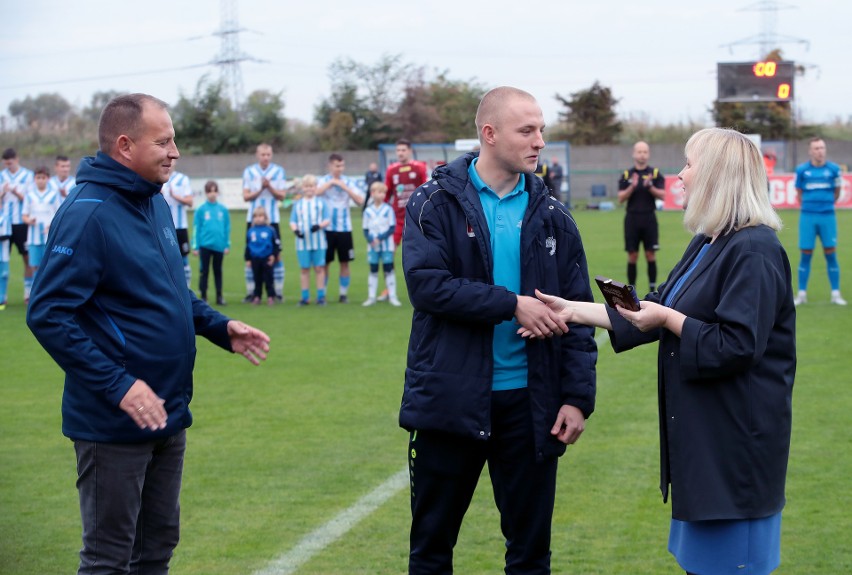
(402, 178)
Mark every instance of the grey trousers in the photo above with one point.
(129, 505)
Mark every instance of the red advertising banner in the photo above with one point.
(782, 192)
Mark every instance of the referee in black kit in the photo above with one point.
(641, 186)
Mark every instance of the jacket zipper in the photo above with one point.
(144, 209)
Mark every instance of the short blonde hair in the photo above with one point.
(729, 190)
(308, 179)
(378, 187)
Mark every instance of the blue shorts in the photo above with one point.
(812, 225)
(310, 258)
(36, 254)
(374, 257)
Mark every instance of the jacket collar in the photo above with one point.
(105, 171)
(454, 178)
(689, 255)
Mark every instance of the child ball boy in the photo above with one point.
(40, 204)
(379, 222)
(211, 238)
(262, 249)
(308, 220)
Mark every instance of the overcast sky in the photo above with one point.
(658, 56)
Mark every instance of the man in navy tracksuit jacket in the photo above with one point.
(113, 310)
(479, 239)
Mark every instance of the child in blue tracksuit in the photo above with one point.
(211, 238)
(262, 247)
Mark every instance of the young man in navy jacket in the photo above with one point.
(112, 308)
(479, 239)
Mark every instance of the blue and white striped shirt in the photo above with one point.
(67, 185)
(338, 200)
(253, 182)
(42, 206)
(178, 185)
(18, 181)
(378, 223)
(308, 212)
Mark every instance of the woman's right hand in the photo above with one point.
(558, 305)
(581, 312)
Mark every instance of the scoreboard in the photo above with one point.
(755, 81)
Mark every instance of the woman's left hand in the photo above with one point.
(650, 316)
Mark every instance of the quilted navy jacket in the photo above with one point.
(447, 259)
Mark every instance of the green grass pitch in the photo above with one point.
(278, 451)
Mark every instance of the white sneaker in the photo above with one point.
(836, 298)
(396, 303)
(369, 302)
(801, 297)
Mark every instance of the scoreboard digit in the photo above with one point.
(767, 81)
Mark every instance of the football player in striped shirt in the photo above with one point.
(265, 184)
(308, 220)
(14, 181)
(178, 194)
(339, 190)
(5, 236)
(40, 204)
(379, 222)
(62, 180)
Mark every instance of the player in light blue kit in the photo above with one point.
(14, 180)
(308, 220)
(264, 185)
(379, 224)
(178, 194)
(40, 204)
(339, 190)
(818, 185)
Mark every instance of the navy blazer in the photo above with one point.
(725, 386)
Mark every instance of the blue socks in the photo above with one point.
(831, 264)
(804, 271)
(833, 270)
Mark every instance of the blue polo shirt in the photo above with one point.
(504, 217)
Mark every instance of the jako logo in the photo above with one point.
(63, 250)
(170, 236)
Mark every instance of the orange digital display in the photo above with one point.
(765, 81)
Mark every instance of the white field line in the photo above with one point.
(336, 528)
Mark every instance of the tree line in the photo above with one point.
(370, 104)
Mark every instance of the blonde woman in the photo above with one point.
(725, 323)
